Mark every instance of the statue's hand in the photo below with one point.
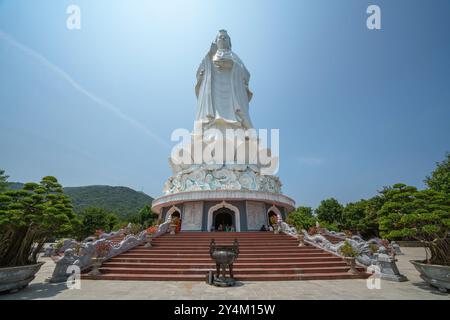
(212, 49)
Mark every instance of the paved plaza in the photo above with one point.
(415, 288)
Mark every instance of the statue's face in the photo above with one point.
(223, 41)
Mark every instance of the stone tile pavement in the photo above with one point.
(415, 288)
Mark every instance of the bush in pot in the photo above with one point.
(424, 216)
(102, 249)
(29, 217)
(349, 254)
(133, 229)
(148, 238)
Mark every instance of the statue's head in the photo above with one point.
(223, 40)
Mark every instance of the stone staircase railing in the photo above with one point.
(381, 261)
(83, 260)
(72, 243)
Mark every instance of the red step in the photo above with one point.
(236, 270)
(242, 277)
(263, 256)
(242, 265)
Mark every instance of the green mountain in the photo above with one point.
(123, 201)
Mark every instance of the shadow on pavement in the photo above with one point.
(36, 291)
(425, 286)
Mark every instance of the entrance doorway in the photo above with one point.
(176, 217)
(224, 207)
(224, 220)
(176, 214)
(273, 217)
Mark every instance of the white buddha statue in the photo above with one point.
(222, 87)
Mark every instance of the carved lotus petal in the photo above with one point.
(198, 175)
(246, 181)
(224, 174)
(213, 166)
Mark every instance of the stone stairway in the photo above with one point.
(263, 256)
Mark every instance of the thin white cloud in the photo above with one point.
(311, 161)
(99, 101)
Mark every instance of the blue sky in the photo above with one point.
(357, 109)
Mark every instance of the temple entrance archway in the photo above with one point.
(232, 210)
(271, 212)
(172, 213)
(176, 214)
(224, 218)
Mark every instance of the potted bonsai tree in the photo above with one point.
(432, 230)
(148, 237)
(102, 249)
(349, 254)
(424, 216)
(313, 230)
(29, 217)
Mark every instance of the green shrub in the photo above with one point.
(301, 218)
(373, 247)
(93, 219)
(348, 251)
(59, 244)
(134, 229)
(329, 226)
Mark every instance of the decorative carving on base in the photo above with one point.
(221, 177)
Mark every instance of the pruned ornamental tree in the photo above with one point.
(29, 217)
(421, 215)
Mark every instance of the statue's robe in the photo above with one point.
(223, 95)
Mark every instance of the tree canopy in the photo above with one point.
(330, 211)
(29, 217)
(145, 217)
(93, 219)
(440, 177)
(302, 218)
(3, 180)
(420, 215)
(362, 216)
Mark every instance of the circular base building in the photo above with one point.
(207, 202)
